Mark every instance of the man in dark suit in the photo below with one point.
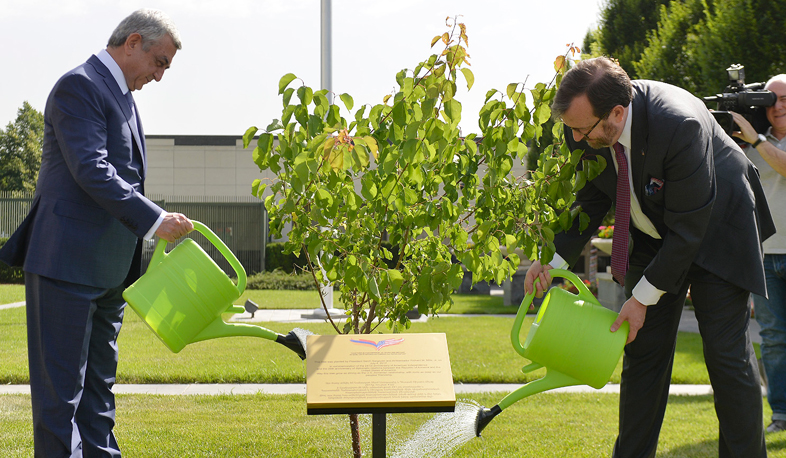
(697, 218)
(80, 245)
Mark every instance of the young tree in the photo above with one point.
(20, 150)
(400, 171)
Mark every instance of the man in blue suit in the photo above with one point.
(80, 245)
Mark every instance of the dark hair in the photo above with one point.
(603, 81)
(150, 24)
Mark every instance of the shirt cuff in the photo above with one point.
(647, 294)
(558, 263)
(154, 228)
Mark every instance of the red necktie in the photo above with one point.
(619, 246)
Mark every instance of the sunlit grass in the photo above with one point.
(543, 425)
(480, 352)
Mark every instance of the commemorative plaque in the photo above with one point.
(378, 373)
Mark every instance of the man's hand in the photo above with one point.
(634, 312)
(746, 133)
(537, 271)
(174, 226)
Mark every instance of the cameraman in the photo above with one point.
(768, 152)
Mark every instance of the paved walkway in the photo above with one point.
(687, 323)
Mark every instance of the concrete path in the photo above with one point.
(300, 388)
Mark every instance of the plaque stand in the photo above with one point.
(378, 374)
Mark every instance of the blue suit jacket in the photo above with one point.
(693, 182)
(89, 210)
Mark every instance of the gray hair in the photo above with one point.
(151, 24)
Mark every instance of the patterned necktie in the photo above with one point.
(130, 100)
(619, 246)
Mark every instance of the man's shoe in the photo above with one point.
(777, 425)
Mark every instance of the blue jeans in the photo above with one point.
(771, 315)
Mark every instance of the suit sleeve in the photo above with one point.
(81, 120)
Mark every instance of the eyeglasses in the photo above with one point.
(585, 136)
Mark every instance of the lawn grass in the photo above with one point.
(547, 424)
(479, 347)
(544, 425)
(11, 293)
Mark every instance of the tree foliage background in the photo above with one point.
(692, 42)
(20, 150)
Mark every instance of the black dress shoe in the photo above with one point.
(777, 425)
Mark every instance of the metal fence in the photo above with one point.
(240, 222)
(14, 206)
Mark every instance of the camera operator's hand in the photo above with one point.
(775, 157)
(747, 132)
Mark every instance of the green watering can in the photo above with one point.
(570, 337)
(183, 293)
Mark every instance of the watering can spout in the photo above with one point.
(553, 379)
(220, 328)
(292, 341)
(484, 417)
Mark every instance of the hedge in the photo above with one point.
(278, 279)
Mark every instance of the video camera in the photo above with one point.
(749, 100)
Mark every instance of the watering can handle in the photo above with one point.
(159, 253)
(515, 333)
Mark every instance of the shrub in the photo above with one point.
(276, 259)
(278, 279)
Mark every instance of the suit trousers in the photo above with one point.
(723, 314)
(72, 348)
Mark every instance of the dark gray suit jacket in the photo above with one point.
(89, 210)
(693, 182)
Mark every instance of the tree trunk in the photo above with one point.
(354, 426)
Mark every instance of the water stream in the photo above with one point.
(443, 434)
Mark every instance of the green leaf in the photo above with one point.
(287, 96)
(469, 76)
(512, 89)
(371, 143)
(360, 156)
(542, 113)
(305, 94)
(348, 102)
(399, 114)
(248, 136)
(275, 125)
(369, 190)
(324, 198)
(448, 90)
(314, 247)
(547, 233)
(333, 118)
(584, 221)
(453, 110)
(373, 288)
(395, 280)
(284, 82)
